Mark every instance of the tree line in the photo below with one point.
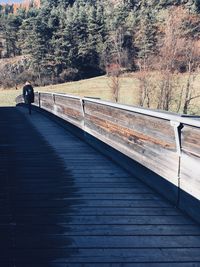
(71, 39)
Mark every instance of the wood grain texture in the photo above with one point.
(191, 140)
(150, 141)
(156, 127)
(190, 174)
(190, 161)
(36, 99)
(46, 101)
(70, 109)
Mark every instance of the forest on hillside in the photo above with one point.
(65, 40)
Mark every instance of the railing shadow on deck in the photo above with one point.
(26, 198)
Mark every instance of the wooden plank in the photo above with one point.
(83, 178)
(130, 132)
(143, 154)
(94, 203)
(190, 171)
(68, 102)
(191, 140)
(94, 211)
(120, 242)
(69, 109)
(103, 256)
(105, 230)
(102, 219)
(190, 174)
(62, 263)
(158, 128)
(89, 196)
(46, 105)
(68, 112)
(36, 99)
(111, 183)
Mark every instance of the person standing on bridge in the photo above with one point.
(28, 94)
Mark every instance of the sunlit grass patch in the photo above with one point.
(129, 90)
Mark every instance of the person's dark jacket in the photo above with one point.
(28, 94)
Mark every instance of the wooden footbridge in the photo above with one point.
(90, 183)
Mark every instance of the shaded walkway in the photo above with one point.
(64, 204)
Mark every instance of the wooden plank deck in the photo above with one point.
(64, 204)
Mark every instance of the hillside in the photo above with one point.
(14, 71)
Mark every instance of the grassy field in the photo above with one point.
(101, 87)
(95, 87)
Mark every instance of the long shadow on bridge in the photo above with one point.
(64, 204)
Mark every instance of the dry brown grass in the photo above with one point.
(99, 87)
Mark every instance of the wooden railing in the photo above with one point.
(166, 144)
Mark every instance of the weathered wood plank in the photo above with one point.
(102, 219)
(190, 174)
(143, 153)
(157, 128)
(191, 140)
(94, 203)
(63, 263)
(190, 171)
(68, 102)
(62, 189)
(190, 168)
(104, 230)
(69, 109)
(89, 196)
(120, 242)
(94, 211)
(68, 112)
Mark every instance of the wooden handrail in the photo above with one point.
(167, 144)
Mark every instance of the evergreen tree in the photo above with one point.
(145, 34)
(58, 43)
(26, 35)
(88, 34)
(9, 27)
